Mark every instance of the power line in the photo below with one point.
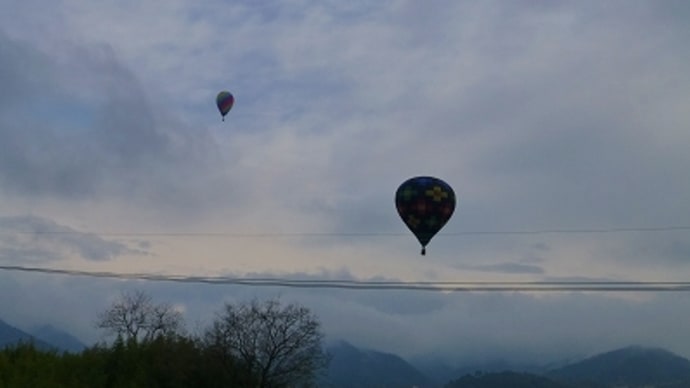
(581, 231)
(445, 286)
(352, 234)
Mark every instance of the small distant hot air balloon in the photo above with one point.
(224, 101)
(425, 204)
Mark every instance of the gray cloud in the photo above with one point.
(25, 239)
(515, 268)
(98, 136)
(383, 302)
(668, 250)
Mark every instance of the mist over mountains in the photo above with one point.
(352, 366)
(45, 337)
(10, 335)
(58, 338)
(632, 367)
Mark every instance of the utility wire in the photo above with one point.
(350, 234)
(446, 286)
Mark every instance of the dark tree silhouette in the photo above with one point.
(134, 317)
(280, 345)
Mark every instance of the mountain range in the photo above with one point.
(43, 337)
(630, 367)
(634, 366)
(351, 366)
(58, 338)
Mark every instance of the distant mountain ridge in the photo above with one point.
(630, 367)
(10, 335)
(351, 367)
(44, 337)
(61, 339)
(441, 371)
(633, 366)
(506, 379)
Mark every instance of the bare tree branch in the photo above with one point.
(281, 345)
(134, 317)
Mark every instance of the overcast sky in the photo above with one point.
(543, 116)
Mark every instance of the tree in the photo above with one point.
(278, 345)
(134, 317)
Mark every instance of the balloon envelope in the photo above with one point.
(224, 101)
(425, 204)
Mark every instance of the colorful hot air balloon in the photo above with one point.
(425, 204)
(224, 101)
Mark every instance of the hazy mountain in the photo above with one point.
(441, 371)
(10, 335)
(506, 379)
(351, 367)
(438, 370)
(62, 340)
(633, 366)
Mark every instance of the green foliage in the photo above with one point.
(166, 362)
(151, 351)
(26, 366)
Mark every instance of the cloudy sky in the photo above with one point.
(543, 116)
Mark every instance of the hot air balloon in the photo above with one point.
(224, 101)
(425, 204)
